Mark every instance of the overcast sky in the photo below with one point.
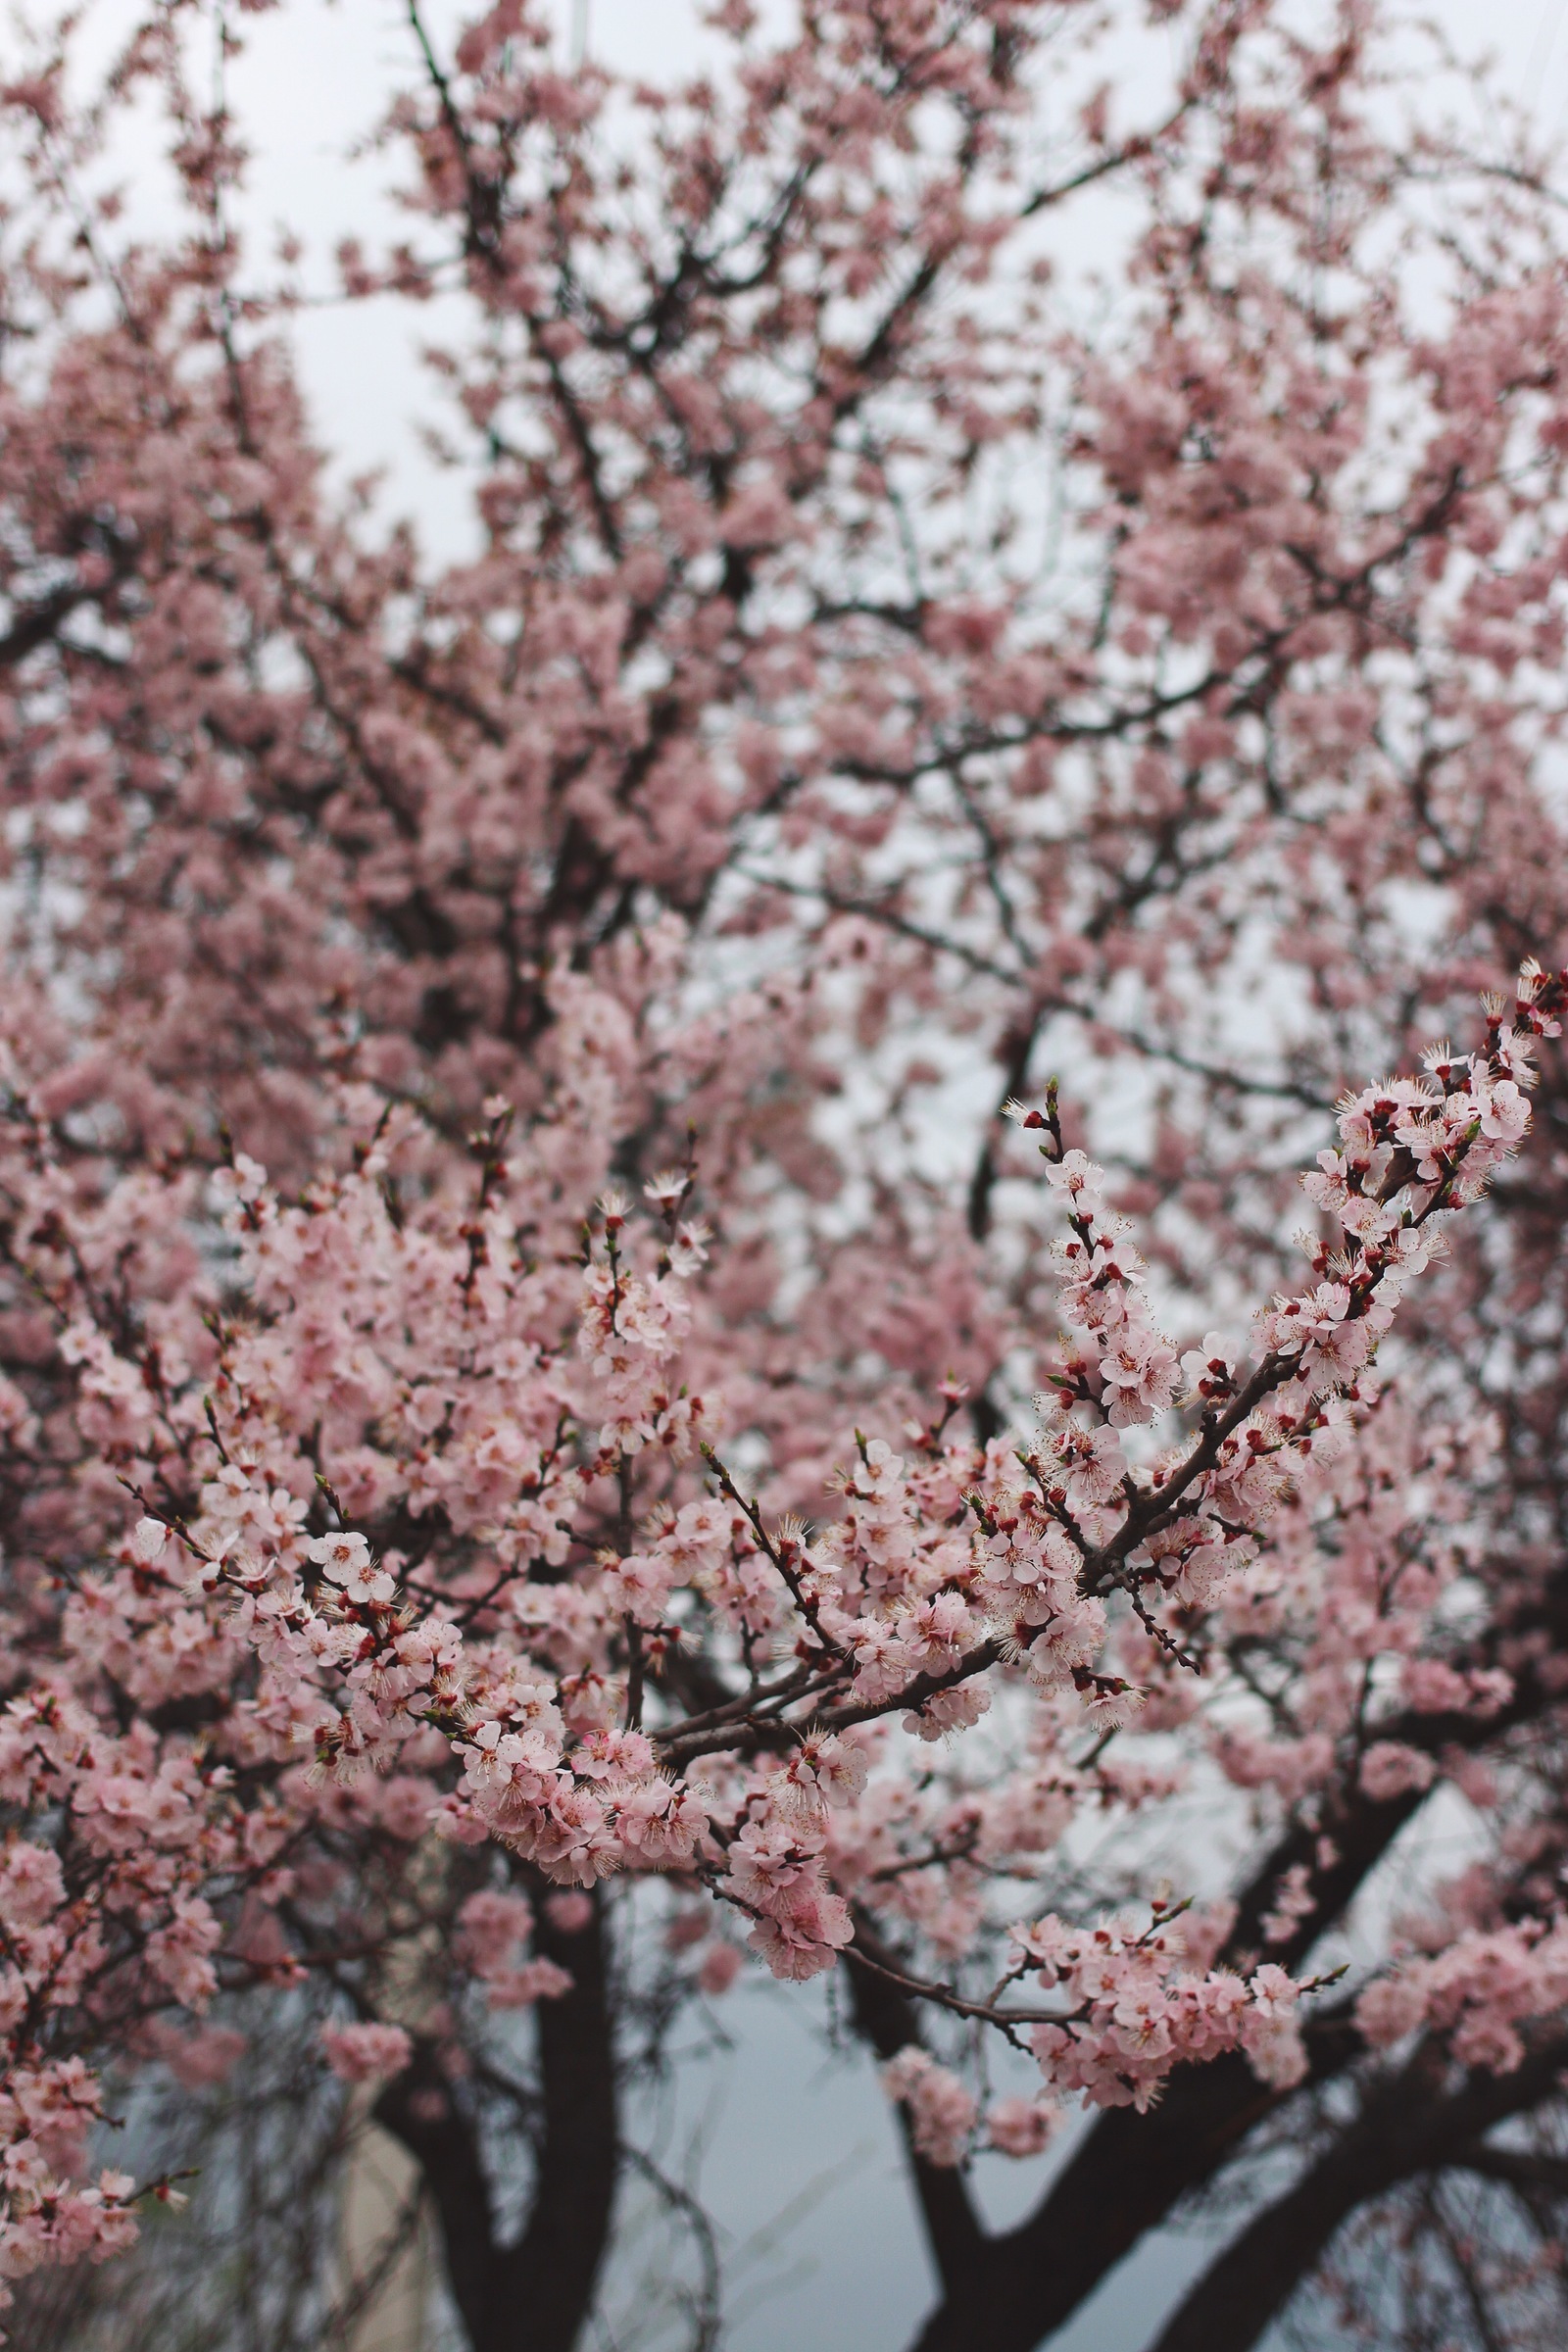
(313, 76)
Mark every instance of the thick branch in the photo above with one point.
(886, 2018)
(533, 2295)
(548, 2278)
(1408, 2128)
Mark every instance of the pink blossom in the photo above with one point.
(366, 2053)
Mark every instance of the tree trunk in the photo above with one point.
(534, 2293)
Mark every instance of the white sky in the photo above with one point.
(313, 77)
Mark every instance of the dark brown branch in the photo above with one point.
(1408, 2126)
(535, 2293)
(886, 2018)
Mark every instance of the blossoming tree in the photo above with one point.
(519, 1294)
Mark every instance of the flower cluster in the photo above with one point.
(449, 1375)
(1130, 2007)
(1481, 1995)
